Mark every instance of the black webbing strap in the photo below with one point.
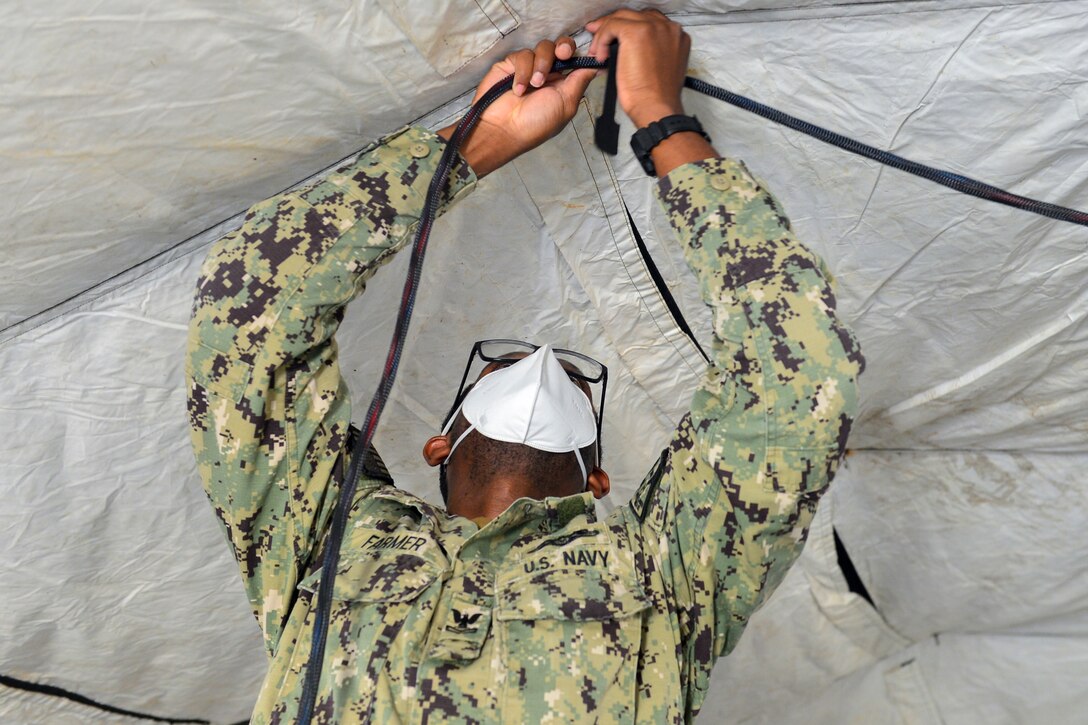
(606, 134)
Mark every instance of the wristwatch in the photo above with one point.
(644, 139)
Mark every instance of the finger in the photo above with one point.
(620, 23)
(554, 78)
(523, 70)
(606, 33)
(596, 25)
(564, 48)
(623, 16)
(496, 73)
(542, 63)
(595, 28)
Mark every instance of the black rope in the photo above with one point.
(377, 404)
(362, 444)
(54, 691)
(945, 178)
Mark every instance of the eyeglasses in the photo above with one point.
(507, 352)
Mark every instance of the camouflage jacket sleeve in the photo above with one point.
(268, 408)
(730, 501)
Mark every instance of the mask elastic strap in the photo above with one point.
(582, 465)
(577, 452)
(453, 418)
(459, 439)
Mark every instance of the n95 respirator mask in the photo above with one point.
(532, 402)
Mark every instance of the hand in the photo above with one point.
(653, 61)
(538, 108)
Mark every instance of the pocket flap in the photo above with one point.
(573, 594)
(222, 373)
(385, 576)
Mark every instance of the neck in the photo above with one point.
(476, 501)
(488, 500)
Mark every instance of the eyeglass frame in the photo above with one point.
(477, 350)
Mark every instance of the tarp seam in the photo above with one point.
(176, 251)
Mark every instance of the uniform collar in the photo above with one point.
(545, 515)
(526, 515)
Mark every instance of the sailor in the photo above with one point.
(515, 604)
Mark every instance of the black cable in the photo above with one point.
(377, 404)
(54, 691)
(963, 184)
(945, 178)
(362, 444)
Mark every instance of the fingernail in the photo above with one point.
(538, 79)
(519, 89)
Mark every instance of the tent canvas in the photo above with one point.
(135, 135)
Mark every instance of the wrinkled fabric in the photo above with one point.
(545, 613)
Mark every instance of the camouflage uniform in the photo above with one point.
(545, 614)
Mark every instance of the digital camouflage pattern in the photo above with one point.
(545, 614)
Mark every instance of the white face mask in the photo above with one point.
(532, 402)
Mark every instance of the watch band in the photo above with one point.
(645, 139)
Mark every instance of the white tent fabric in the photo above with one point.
(135, 134)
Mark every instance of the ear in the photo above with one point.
(436, 450)
(598, 483)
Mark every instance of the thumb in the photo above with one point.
(574, 86)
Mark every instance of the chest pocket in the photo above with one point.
(570, 635)
(382, 604)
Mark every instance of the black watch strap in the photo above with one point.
(645, 139)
